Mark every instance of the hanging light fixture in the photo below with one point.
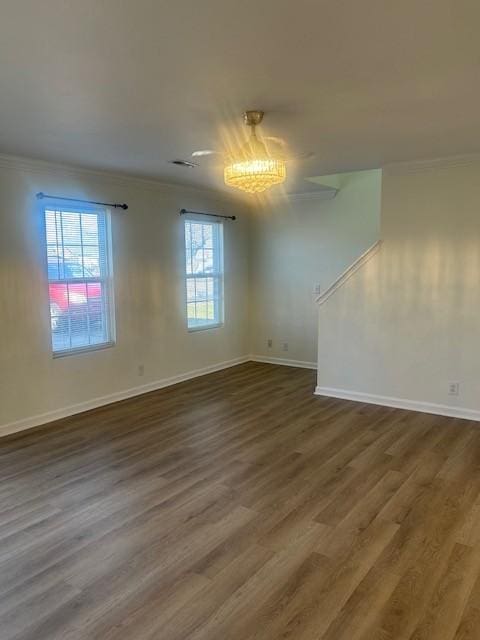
(253, 169)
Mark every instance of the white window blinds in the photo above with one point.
(204, 273)
(79, 277)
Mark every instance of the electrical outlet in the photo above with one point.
(269, 343)
(285, 346)
(317, 290)
(141, 369)
(453, 388)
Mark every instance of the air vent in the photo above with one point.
(184, 163)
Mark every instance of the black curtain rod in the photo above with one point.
(123, 206)
(212, 215)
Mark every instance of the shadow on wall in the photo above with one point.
(405, 327)
(300, 245)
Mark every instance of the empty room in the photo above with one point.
(239, 320)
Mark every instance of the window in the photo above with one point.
(204, 273)
(79, 277)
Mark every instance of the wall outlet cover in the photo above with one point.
(453, 388)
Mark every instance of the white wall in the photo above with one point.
(149, 292)
(298, 244)
(403, 327)
(408, 323)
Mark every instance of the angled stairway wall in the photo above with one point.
(296, 245)
(407, 324)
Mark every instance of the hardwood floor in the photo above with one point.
(240, 506)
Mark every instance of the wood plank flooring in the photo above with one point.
(239, 506)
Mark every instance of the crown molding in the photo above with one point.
(431, 164)
(322, 195)
(31, 165)
(315, 196)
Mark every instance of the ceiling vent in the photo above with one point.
(184, 163)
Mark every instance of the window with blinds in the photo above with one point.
(79, 277)
(204, 273)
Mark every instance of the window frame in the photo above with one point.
(107, 282)
(217, 275)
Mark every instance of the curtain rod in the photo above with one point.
(212, 215)
(123, 206)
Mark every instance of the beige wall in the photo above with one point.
(403, 327)
(408, 323)
(297, 245)
(149, 293)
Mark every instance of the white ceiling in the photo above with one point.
(129, 84)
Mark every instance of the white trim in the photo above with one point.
(348, 273)
(430, 164)
(88, 348)
(32, 165)
(345, 394)
(400, 403)
(24, 163)
(216, 275)
(205, 327)
(57, 414)
(323, 194)
(301, 364)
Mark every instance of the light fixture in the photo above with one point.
(253, 169)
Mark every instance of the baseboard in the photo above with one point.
(357, 396)
(400, 403)
(50, 416)
(302, 364)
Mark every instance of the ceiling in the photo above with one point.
(129, 85)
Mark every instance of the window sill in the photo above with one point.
(204, 327)
(87, 349)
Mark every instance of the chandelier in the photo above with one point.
(253, 169)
